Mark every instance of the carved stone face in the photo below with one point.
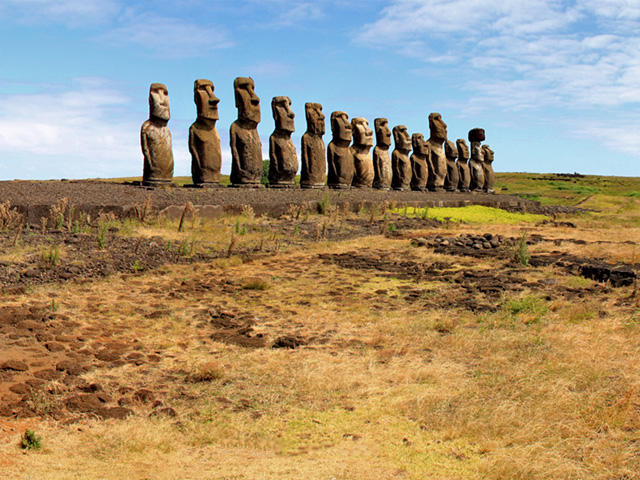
(450, 150)
(488, 153)
(437, 127)
(418, 144)
(401, 138)
(315, 118)
(476, 151)
(247, 102)
(340, 126)
(463, 149)
(383, 134)
(206, 101)
(362, 134)
(282, 114)
(159, 102)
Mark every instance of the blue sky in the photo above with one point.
(555, 83)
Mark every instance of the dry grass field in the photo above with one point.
(325, 346)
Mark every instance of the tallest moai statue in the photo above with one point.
(155, 139)
(246, 147)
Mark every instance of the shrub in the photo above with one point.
(30, 441)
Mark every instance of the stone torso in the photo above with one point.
(477, 174)
(283, 159)
(341, 166)
(420, 171)
(464, 176)
(383, 173)
(489, 174)
(363, 167)
(313, 160)
(157, 152)
(402, 171)
(453, 176)
(246, 155)
(206, 156)
(437, 165)
(476, 168)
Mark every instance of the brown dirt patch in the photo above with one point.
(81, 257)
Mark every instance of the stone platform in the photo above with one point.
(35, 198)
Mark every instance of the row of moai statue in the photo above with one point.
(348, 159)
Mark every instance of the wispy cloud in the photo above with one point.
(620, 137)
(73, 13)
(524, 54)
(85, 126)
(299, 13)
(167, 37)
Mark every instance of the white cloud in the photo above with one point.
(84, 130)
(74, 13)
(299, 13)
(167, 37)
(615, 9)
(525, 54)
(621, 138)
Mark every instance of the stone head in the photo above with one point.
(159, 102)
(206, 101)
(488, 153)
(340, 126)
(463, 149)
(383, 134)
(450, 150)
(401, 138)
(247, 102)
(419, 145)
(437, 127)
(315, 118)
(362, 134)
(476, 151)
(282, 114)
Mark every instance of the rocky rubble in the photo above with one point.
(486, 241)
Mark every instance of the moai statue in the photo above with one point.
(339, 155)
(204, 141)
(489, 175)
(283, 160)
(155, 139)
(400, 162)
(246, 147)
(314, 166)
(419, 159)
(383, 173)
(463, 166)
(453, 178)
(437, 159)
(362, 161)
(476, 167)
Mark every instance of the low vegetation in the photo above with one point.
(326, 346)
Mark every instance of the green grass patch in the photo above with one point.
(555, 189)
(472, 214)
